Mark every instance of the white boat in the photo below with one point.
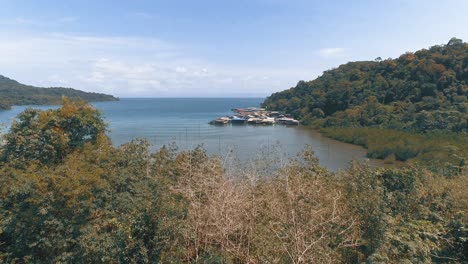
(254, 121)
(288, 121)
(268, 121)
(220, 121)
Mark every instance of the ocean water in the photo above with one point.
(185, 122)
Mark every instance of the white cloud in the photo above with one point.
(22, 21)
(181, 69)
(17, 21)
(331, 52)
(130, 66)
(69, 19)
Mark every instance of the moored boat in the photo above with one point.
(288, 121)
(236, 120)
(220, 121)
(268, 121)
(254, 121)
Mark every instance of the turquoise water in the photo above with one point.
(184, 121)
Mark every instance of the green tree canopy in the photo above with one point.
(420, 91)
(48, 136)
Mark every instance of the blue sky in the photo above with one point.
(210, 48)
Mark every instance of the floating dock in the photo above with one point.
(255, 116)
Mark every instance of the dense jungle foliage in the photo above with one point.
(69, 196)
(15, 93)
(420, 91)
(424, 94)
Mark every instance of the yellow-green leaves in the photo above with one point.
(49, 136)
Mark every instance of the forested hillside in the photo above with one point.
(68, 196)
(419, 91)
(414, 107)
(15, 93)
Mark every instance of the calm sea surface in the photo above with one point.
(184, 121)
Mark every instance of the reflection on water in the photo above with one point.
(184, 121)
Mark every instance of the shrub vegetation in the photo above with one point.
(414, 107)
(91, 202)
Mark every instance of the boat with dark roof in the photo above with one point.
(237, 120)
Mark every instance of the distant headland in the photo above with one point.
(15, 93)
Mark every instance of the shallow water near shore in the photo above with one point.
(184, 121)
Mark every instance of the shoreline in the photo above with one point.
(373, 162)
(333, 154)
